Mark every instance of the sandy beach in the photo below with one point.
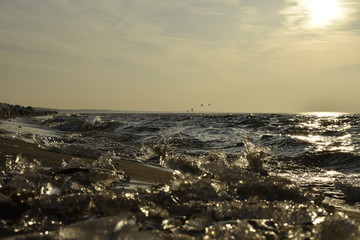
(136, 171)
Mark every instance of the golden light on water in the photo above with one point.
(325, 114)
(326, 131)
(323, 12)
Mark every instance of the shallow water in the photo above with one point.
(264, 176)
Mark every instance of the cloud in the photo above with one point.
(297, 49)
(212, 47)
(94, 31)
(320, 15)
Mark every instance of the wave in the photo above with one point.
(216, 163)
(220, 200)
(293, 138)
(339, 161)
(141, 129)
(211, 194)
(79, 124)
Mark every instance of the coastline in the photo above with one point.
(10, 111)
(105, 223)
(136, 171)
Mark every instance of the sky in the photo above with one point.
(177, 55)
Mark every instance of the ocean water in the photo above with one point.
(235, 176)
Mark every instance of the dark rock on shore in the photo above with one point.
(10, 111)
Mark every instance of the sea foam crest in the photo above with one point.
(80, 124)
(97, 119)
(22, 166)
(253, 157)
(217, 163)
(218, 199)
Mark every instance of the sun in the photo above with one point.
(323, 12)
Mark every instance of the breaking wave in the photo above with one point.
(208, 197)
(340, 161)
(78, 124)
(275, 184)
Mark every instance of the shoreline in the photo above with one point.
(138, 172)
(104, 206)
(135, 170)
(8, 111)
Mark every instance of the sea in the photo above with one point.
(235, 176)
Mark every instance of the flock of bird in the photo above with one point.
(201, 105)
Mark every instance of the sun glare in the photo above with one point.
(323, 12)
(324, 114)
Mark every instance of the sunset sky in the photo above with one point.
(174, 55)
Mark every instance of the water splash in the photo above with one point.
(97, 120)
(76, 123)
(211, 195)
(22, 166)
(253, 157)
(220, 200)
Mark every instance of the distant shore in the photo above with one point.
(10, 111)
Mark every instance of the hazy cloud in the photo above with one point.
(228, 51)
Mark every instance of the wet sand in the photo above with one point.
(136, 171)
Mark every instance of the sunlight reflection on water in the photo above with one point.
(326, 132)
